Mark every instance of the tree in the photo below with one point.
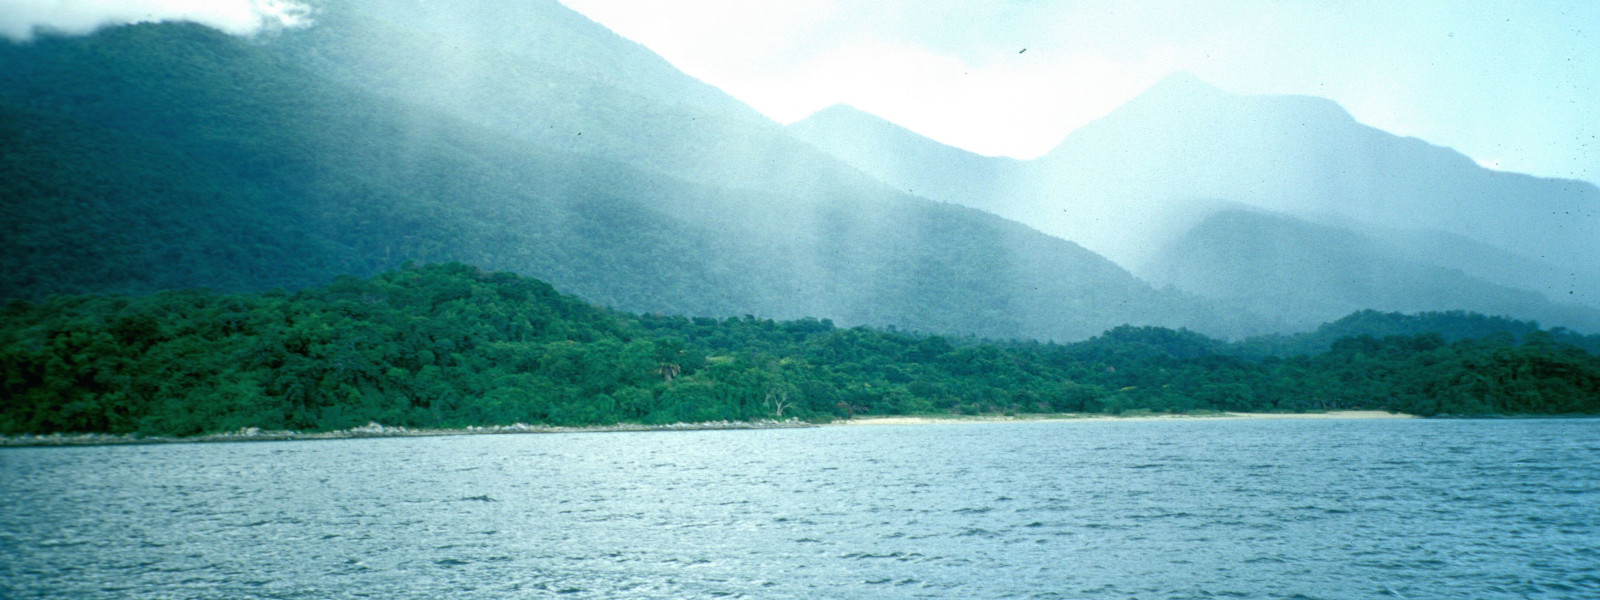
(778, 400)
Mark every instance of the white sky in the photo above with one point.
(1513, 84)
(20, 18)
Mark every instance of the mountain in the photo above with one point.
(1306, 274)
(905, 160)
(1306, 156)
(542, 74)
(163, 156)
(465, 54)
(1561, 282)
(1133, 184)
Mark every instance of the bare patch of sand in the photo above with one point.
(1332, 414)
(942, 419)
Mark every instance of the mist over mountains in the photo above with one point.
(158, 156)
(527, 138)
(1341, 216)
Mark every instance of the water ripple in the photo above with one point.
(1201, 509)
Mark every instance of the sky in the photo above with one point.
(1514, 85)
(20, 19)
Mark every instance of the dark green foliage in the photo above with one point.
(452, 346)
(1453, 325)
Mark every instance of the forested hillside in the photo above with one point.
(451, 346)
(166, 156)
(1451, 326)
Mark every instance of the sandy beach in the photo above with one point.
(942, 419)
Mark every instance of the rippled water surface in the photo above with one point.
(1125, 509)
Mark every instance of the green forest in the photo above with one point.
(454, 346)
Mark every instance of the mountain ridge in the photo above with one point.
(894, 154)
(339, 180)
(1306, 274)
(1131, 183)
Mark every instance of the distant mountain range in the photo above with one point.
(1283, 203)
(526, 138)
(521, 138)
(1307, 273)
(912, 163)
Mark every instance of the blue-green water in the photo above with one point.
(1127, 509)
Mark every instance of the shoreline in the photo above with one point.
(375, 430)
(868, 421)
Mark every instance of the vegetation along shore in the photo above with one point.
(451, 347)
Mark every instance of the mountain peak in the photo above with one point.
(1184, 93)
(1183, 105)
(840, 109)
(845, 124)
(1183, 84)
(844, 116)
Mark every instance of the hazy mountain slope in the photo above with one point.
(1184, 140)
(1308, 274)
(236, 167)
(1136, 181)
(908, 161)
(509, 70)
(1559, 282)
(207, 142)
(461, 49)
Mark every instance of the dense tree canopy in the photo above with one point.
(451, 346)
(1452, 325)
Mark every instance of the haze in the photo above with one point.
(1515, 86)
(526, 137)
(286, 222)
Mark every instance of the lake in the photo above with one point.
(1103, 509)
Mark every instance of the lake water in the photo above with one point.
(1121, 509)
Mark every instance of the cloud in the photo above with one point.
(20, 20)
